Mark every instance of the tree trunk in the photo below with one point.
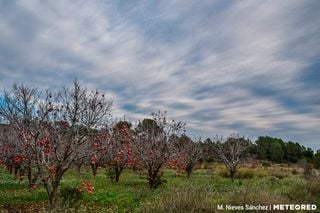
(152, 181)
(189, 171)
(53, 195)
(94, 168)
(10, 168)
(16, 169)
(118, 173)
(117, 177)
(52, 189)
(232, 172)
(79, 168)
(29, 175)
(32, 180)
(153, 175)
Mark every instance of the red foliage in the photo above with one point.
(52, 169)
(87, 187)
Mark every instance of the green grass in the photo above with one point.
(200, 193)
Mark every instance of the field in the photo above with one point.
(208, 187)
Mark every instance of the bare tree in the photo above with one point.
(152, 143)
(19, 109)
(55, 129)
(231, 151)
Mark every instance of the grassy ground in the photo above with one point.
(208, 187)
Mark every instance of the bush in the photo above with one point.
(223, 172)
(243, 173)
(260, 172)
(70, 197)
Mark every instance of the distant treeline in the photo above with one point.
(279, 151)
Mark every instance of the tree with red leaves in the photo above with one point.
(188, 154)
(98, 159)
(8, 148)
(119, 150)
(114, 150)
(55, 129)
(153, 144)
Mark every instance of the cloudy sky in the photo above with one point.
(250, 67)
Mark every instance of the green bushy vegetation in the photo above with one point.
(243, 172)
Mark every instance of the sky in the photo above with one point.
(250, 67)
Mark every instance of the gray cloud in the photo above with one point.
(248, 67)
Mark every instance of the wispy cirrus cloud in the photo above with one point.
(247, 66)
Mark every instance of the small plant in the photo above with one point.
(87, 187)
(223, 172)
(244, 173)
(70, 197)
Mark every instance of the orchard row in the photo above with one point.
(45, 133)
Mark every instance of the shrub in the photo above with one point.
(260, 172)
(243, 173)
(223, 172)
(70, 197)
